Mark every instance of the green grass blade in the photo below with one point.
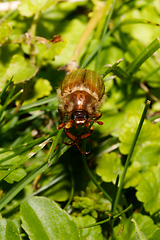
(143, 56)
(28, 156)
(104, 32)
(19, 186)
(5, 87)
(130, 154)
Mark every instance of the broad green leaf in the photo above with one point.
(133, 175)
(72, 31)
(29, 7)
(42, 88)
(5, 31)
(148, 190)
(92, 233)
(147, 150)
(8, 230)
(49, 51)
(109, 166)
(145, 229)
(144, 33)
(44, 219)
(16, 175)
(113, 118)
(140, 235)
(20, 68)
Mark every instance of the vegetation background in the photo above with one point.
(47, 189)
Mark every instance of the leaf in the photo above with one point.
(144, 226)
(133, 175)
(148, 189)
(149, 32)
(5, 31)
(147, 150)
(140, 234)
(20, 69)
(71, 33)
(29, 7)
(92, 233)
(42, 88)
(44, 219)
(16, 175)
(8, 230)
(108, 167)
(129, 105)
(49, 51)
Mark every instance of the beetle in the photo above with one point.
(80, 96)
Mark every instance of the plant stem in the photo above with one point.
(130, 154)
(110, 218)
(90, 174)
(87, 33)
(104, 32)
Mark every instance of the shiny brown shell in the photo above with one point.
(81, 90)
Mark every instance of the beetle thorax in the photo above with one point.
(79, 101)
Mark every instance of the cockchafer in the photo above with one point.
(81, 94)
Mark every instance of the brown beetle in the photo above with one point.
(81, 95)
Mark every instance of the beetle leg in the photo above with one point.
(85, 135)
(69, 124)
(76, 140)
(70, 135)
(81, 149)
(61, 126)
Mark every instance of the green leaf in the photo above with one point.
(44, 219)
(72, 31)
(144, 55)
(140, 234)
(29, 8)
(108, 167)
(133, 175)
(147, 150)
(8, 230)
(112, 117)
(5, 31)
(93, 233)
(144, 33)
(20, 68)
(148, 189)
(16, 175)
(145, 228)
(42, 88)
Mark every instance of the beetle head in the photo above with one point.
(79, 117)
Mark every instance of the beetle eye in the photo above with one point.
(72, 116)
